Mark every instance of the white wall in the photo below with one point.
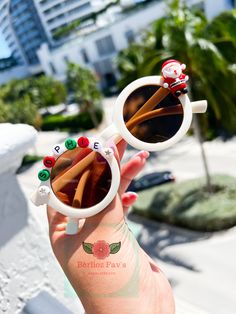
(135, 22)
(215, 7)
(13, 73)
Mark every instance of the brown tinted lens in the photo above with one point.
(157, 125)
(89, 187)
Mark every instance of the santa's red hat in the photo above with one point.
(169, 62)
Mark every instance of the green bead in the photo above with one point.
(44, 175)
(70, 143)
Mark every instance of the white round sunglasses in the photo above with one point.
(83, 176)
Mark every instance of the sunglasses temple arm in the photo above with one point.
(77, 201)
(112, 132)
(199, 106)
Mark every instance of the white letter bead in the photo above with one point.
(95, 145)
(58, 149)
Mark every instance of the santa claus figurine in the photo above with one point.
(173, 78)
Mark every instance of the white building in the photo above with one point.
(98, 49)
(36, 51)
(56, 14)
(26, 24)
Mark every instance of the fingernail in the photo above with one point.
(143, 154)
(132, 195)
(129, 198)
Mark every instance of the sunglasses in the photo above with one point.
(83, 176)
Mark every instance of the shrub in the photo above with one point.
(42, 91)
(187, 204)
(22, 111)
(74, 123)
(4, 112)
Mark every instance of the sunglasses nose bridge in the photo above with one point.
(111, 132)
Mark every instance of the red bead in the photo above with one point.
(49, 161)
(83, 142)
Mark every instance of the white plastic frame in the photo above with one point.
(118, 130)
(50, 198)
(188, 110)
(91, 211)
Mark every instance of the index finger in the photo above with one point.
(119, 148)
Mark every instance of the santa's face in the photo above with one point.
(172, 70)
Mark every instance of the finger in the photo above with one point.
(128, 199)
(131, 169)
(119, 148)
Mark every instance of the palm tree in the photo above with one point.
(186, 35)
(208, 49)
(83, 84)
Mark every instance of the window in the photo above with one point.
(84, 55)
(104, 66)
(199, 6)
(232, 3)
(51, 65)
(66, 59)
(130, 37)
(105, 45)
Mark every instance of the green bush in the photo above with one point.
(188, 205)
(22, 111)
(20, 99)
(74, 123)
(43, 91)
(4, 112)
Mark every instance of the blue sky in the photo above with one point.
(4, 51)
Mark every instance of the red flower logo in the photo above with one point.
(101, 249)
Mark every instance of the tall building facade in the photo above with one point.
(8, 33)
(56, 14)
(27, 27)
(26, 24)
(22, 29)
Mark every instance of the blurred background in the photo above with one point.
(62, 65)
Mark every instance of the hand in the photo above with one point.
(126, 280)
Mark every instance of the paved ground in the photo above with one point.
(201, 267)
